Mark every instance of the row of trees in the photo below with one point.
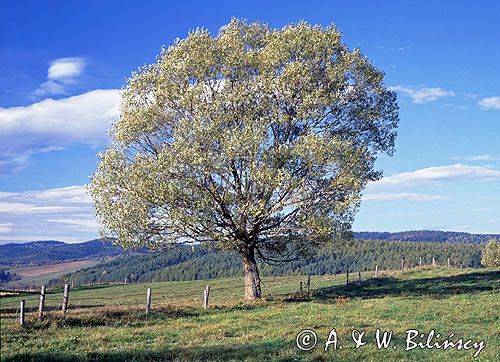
(6, 276)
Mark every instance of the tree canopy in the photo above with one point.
(491, 254)
(258, 140)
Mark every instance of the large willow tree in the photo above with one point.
(256, 140)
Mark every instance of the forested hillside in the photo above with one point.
(187, 263)
(44, 252)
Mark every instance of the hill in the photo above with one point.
(187, 263)
(43, 252)
(46, 252)
(108, 322)
(23, 265)
(427, 235)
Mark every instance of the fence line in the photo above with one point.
(55, 295)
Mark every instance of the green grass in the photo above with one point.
(108, 322)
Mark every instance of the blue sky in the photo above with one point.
(62, 63)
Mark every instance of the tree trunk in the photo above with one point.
(250, 273)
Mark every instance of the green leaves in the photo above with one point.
(256, 136)
(491, 254)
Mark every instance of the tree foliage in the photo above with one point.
(257, 139)
(491, 254)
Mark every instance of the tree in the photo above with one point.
(256, 140)
(491, 254)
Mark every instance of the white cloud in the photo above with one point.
(65, 199)
(61, 73)
(393, 49)
(398, 49)
(403, 196)
(458, 107)
(439, 173)
(63, 213)
(478, 158)
(12, 162)
(49, 87)
(6, 228)
(23, 208)
(6, 194)
(83, 118)
(65, 68)
(490, 103)
(35, 237)
(79, 224)
(52, 124)
(423, 95)
(71, 194)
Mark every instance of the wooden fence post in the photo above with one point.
(65, 299)
(206, 295)
(308, 285)
(347, 277)
(376, 270)
(148, 301)
(21, 313)
(301, 293)
(42, 303)
(359, 276)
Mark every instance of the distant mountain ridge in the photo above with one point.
(52, 251)
(427, 235)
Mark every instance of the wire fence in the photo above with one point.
(60, 299)
(87, 296)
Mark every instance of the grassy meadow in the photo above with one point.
(108, 323)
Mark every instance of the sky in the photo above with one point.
(62, 64)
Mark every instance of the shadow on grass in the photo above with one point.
(255, 352)
(437, 287)
(117, 317)
(131, 316)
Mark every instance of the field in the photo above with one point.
(37, 275)
(109, 323)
